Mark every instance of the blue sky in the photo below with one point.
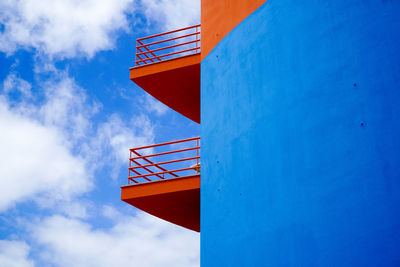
(68, 115)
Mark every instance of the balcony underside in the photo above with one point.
(175, 200)
(174, 82)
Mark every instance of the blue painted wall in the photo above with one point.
(301, 137)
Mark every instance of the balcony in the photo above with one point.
(164, 180)
(167, 66)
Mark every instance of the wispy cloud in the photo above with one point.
(14, 254)
(51, 150)
(13, 83)
(153, 106)
(62, 28)
(115, 136)
(45, 158)
(68, 29)
(36, 159)
(172, 14)
(142, 240)
(53, 141)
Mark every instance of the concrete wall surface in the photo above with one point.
(300, 111)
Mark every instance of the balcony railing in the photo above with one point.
(163, 161)
(168, 45)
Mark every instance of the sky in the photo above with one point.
(68, 116)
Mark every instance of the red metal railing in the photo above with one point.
(168, 45)
(158, 162)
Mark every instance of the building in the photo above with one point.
(300, 132)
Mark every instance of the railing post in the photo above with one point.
(196, 38)
(148, 51)
(197, 150)
(136, 56)
(129, 169)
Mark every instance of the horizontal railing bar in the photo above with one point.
(145, 177)
(150, 162)
(141, 52)
(165, 153)
(133, 180)
(161, 163)
(143, 60)
(134, 171)
(154, 55)
(163, 48)
(164, 33)
(178, 170)
(167, 40)
(170, 54)
(166, 143)
(138, 55)
(144, 169)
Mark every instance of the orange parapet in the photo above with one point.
(167, 66)
(166, 181)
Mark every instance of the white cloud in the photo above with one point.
(153, 105)
(66, 107)
(14, 83)
(143, 241)
(70, 28)
(34, 162)
(172, 14)
(118, 135)
(62, 28)
(40, 156)
(50, 151)
(14, 254)
(43, 155)
(78, 208)
(51, 145)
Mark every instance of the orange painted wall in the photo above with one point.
(219, 17)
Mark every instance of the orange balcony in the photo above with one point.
(167, 66)
(164, 180)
